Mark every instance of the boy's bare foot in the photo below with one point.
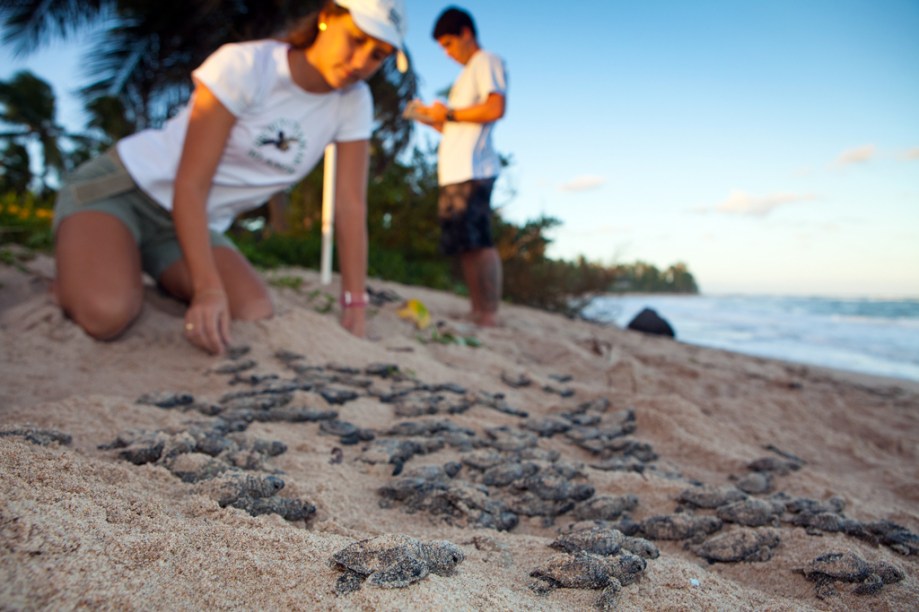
(486, 319)
(470, 316)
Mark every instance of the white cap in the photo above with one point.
(383, 19)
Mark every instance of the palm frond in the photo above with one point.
(29, 24)
(13, 135)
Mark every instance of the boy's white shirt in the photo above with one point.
(466, 151)
(280, 133)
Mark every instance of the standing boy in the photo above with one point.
(467, 161)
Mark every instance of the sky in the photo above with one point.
(772, 146)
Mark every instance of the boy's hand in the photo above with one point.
(417, 111)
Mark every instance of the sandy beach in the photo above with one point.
(108, 500)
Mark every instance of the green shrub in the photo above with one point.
(26, 220)
(277, 250)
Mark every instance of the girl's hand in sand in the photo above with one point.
(207, 321)
(355, 321)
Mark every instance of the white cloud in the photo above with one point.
(911, 153)
(741, 203)
(858, 155)
(583, 183)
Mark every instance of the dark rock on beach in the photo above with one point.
(649, 322)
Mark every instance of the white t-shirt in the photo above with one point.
(466, 151)
(280, 132)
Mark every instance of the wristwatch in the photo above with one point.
(451, 115)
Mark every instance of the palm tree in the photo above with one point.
(28, 113)
(15, 169)
(143, 61)
(150, 47)
(108, 116)
(27, 106)
(391, 90)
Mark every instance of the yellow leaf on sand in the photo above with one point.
(416, 312)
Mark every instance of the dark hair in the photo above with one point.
(303, 34)
(452, 21)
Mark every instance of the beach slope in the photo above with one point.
(144, 474)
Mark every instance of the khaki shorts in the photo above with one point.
(103, 185)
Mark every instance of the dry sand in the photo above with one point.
(80, 527)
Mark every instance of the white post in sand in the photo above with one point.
(328, 213)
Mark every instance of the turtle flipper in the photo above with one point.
(348, 582)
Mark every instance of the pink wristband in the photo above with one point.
(349, 301)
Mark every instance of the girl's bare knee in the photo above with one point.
(105, 318)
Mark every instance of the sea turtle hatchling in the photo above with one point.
(393, 561)
(584, 570)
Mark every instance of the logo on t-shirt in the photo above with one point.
(280, 145)
(282, 142)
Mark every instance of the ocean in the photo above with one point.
(871, 336)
